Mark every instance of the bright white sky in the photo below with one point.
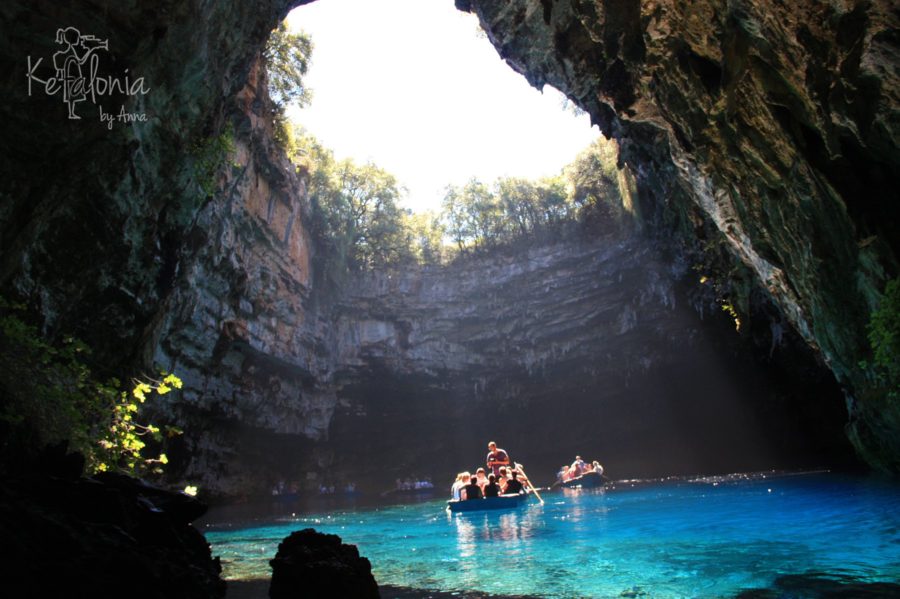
(413, 86)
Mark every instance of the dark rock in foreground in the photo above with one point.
(105, 537)
(822, 585)
(256, 589)
(313, 564)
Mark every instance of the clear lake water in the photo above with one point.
(760, 535)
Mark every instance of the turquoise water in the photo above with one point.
(710, 537)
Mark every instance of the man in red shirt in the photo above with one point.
(496, 458)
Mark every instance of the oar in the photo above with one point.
(525, 476)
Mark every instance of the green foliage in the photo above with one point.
(426, 237)
(530, 206)
(595, 184)
(358, 218)
(47, 390)
(356, 209)
(884, 336)
(209, 156)
(286, 135)
(471, 214)
(365, 206)
(478, 216)
(286, 58)
(729, 309)
(121, 438)
(50, 394)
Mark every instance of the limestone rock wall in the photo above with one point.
(95, 214)
(116, 232)
(773, 125)
(589, 346)
(241, 326)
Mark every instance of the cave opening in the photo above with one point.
(594, 344)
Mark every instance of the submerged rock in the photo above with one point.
(313, 564)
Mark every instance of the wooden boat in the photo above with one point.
(588, 480)
(488, 503)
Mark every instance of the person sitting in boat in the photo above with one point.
(482, 478)
(577, 468)
(514, 485)
(596, 467)
(458, 484)
(496, 458)
(503, 479)
(471, 490)
(563, 474)
(492, 489)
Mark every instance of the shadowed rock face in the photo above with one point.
(69, 536)
(774, 125)
(94, 220)
(111, 235)
(582, 347)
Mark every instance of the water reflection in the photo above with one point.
(466, 532)
(486, 539)
(586, 509)
(509, 526)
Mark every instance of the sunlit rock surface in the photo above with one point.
(773, 124)
(242, 330)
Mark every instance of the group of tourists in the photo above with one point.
(499, 478)
(578, 468)
(413, 484)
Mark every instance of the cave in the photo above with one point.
(737, 168)
(729, 324)
(738, 320)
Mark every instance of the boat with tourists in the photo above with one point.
(588, 480)
(411, 487)
(580, 475)
(501, 502)
(507, 485)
